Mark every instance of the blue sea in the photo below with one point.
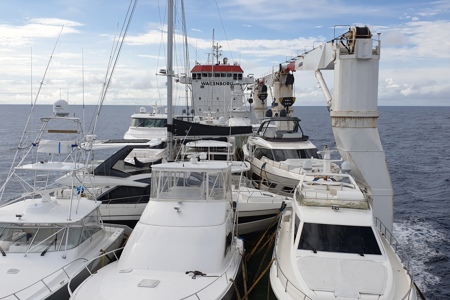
(416, 141)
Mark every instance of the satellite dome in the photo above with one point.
(61, 108)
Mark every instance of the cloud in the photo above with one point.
(21, 35)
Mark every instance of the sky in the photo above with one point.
(37, 66)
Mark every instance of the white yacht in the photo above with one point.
(147, 126)
(277, 152)
(49, 232)
(329, 245)
(183, 246)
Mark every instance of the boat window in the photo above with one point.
(239, 76)
(149, 123)
(204, 74)
(229, 74)
(235, 76)
(20, 238)
(338, 238)
(260, 152)
(126, 194)
(189, 185)
(216, 74)
(283, 154)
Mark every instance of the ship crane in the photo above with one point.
(354, 57)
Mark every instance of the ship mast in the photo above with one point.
(169, 78)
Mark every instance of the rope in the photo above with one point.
(258, 279)
(422, 296)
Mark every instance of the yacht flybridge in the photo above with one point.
(330, 246)
(183, 246)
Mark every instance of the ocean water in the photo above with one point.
(416, 141)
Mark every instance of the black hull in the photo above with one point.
(184, 128)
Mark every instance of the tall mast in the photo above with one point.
(169, 78)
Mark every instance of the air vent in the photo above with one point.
(149, 283)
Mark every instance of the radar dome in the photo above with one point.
(61, 108)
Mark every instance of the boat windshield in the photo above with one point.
(338, 238)
(149, 123)
(284, 154)
(21, 238)
(189, 185)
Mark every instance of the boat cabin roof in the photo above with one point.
(47, 211)
(331, 190)
(281, 128)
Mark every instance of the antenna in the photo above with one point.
(33, 104)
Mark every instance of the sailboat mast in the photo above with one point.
(169, 78)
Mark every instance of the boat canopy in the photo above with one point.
(204, 180)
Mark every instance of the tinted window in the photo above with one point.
(283, 154)
(126, 194)
(260, 152)
(338, 238)
(143, 122)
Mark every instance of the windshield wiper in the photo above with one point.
(2, 251)
(48, 247)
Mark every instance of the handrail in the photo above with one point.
(297, 168)
(88, 262)
(400, 252)
(280, 271)
(63, 268)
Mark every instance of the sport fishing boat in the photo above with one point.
(50, 231)
(183, 246)
(329, 245)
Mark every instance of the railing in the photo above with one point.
(400, 252)
(289, 287)
(250, 183)
(92, 265)
(45, 285)
(297, 169)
